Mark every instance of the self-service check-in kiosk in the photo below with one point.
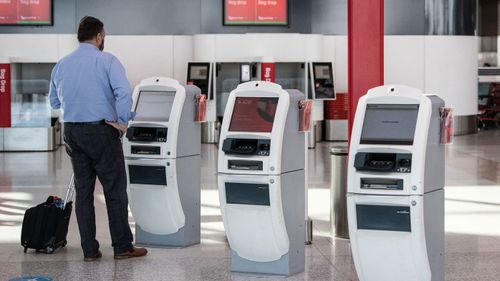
(395, 186)
(162, 150)
(202, 75)
(261, 179)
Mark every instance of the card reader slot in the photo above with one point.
(260, 147)
(145, 150)
(245, 165)
(383, 162)
(381, 183)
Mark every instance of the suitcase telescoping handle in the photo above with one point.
(70, 193)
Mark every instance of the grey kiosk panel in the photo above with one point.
(292, 159)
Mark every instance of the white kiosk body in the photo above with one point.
(395, 186)
(261, 179)
(162, 156)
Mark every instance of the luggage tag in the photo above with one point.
(200, 108)
(305, 108)
(446, 124)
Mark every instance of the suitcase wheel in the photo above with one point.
(49, 249)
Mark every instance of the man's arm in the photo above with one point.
(121, 90)
(55, 103)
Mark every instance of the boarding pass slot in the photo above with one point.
(245, 165)
(382, 183)
(145, 150)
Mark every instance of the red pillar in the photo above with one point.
(365, 50)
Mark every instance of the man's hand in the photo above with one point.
(119, 126)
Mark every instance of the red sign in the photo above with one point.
(26, 12)
(255, 12)
(5, 95)
(267, 72)
(253, 114)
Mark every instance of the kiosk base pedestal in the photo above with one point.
(282, 266)
(181, 238)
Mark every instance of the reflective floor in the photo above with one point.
(472, 222)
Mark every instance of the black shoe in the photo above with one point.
(93, 257)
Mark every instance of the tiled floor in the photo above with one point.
(472, 222)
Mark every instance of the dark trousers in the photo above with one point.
(96, 150)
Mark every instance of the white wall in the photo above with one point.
(404, 60)
(143, 56)
(443, 65)
(451, 71)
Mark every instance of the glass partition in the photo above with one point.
(30, 105)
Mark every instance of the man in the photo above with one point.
(94, 95)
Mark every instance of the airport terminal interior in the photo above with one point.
(349, 140)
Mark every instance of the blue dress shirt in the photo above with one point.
(89, 85)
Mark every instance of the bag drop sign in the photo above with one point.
(4, 95)
(267, 72)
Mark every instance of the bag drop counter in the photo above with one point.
(395, 190)
(162, 158)
(261, 179)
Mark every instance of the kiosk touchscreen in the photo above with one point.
(261, 179)
(162, 157)
(322, 80)
(395, 186)
(199, 74)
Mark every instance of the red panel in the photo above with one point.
(240, 11)
(268, 72)
(8, 12)
(337, 109)
(5, 95)
(270, 11)
(34, 11)
(15, 11)
(250, 12)
(365, 50)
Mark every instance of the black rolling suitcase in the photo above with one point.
(45, 226)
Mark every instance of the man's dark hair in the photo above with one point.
(89, 28)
